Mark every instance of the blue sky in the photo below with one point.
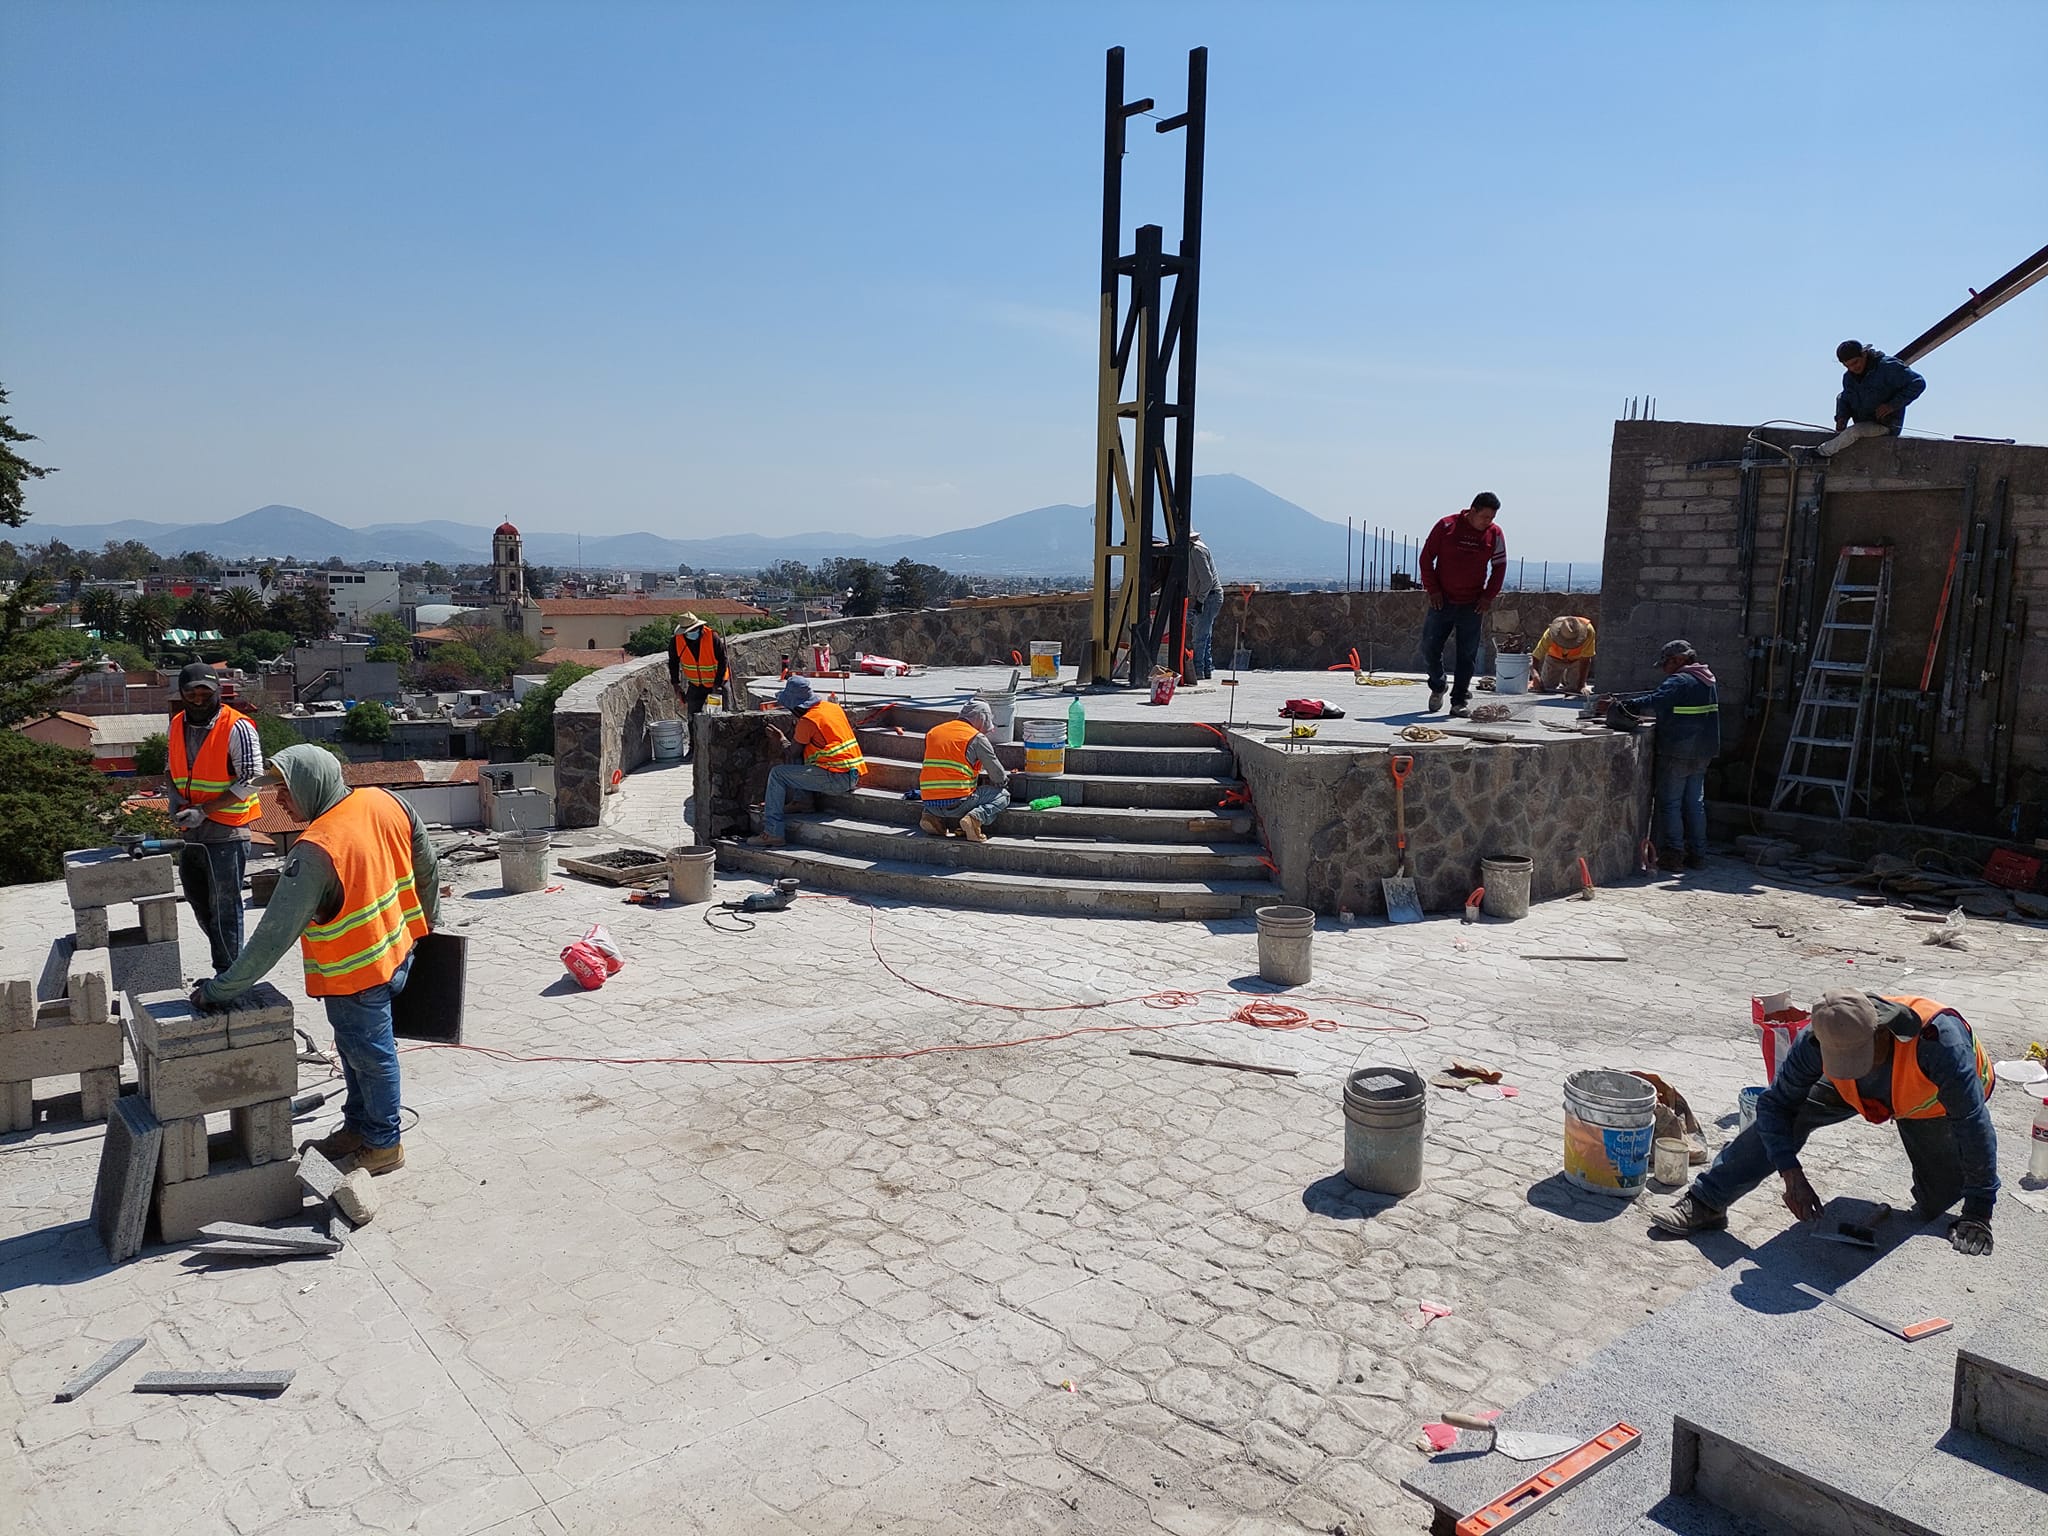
(693, 269)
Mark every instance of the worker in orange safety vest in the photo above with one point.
(832, 760)
(957, 755)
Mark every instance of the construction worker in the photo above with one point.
(359, 889)
(1687, 705)
(696, 669)
(831, 751)
(1205, 597)
(1908, 1059)
(215, 762)
(956, 756)
(1563, 657)
(1876, 390)
(1464, 562)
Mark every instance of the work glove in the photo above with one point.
(200, 1001)
(188, 818)
(1971, 1237)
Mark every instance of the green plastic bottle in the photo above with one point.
(1077, 725)
(1045, 803)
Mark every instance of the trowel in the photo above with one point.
(1515, 1444)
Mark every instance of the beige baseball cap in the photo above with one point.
(1845, 1024)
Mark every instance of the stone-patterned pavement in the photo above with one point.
(1047, 1287)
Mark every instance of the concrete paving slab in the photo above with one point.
(128, 1158)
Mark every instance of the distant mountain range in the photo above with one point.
(1256, 536)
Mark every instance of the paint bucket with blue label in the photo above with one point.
(1610, 1123)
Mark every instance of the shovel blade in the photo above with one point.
(1403, 905)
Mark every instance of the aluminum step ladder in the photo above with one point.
(1827, 740)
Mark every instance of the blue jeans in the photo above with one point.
(369, 1058)
(784, 777)
(1205, 632)
(1438, 625)
(212, 877)
(1682, 803)
(984, 805)
(1930, 1148)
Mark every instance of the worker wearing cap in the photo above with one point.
(215, 760)
(832, 761)
(1907, 1059)
(358, 890)
(1687, 706)
(1876, 390)
(696, 668)
(957, 755)
(1564, 656)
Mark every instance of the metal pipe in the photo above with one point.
(1960, 319)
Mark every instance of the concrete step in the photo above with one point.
(994, 890)
(1095, 791)
(1135, 825)
(881, 743)
(1772, 1489)
(1048, 857)
(2002, 1383)
(1106, 733)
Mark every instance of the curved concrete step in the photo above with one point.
(882, 743)
(1105, 733)
(995, 890)
(1095, 791)
(1134, 825)
(1048, 857)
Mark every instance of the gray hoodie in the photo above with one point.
(309, 891)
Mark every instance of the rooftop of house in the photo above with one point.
(647, 607)
(588, 657)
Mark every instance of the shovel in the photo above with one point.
(1403, 906)
(1515, 1444)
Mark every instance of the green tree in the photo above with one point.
(793, 574)
(389, 629)
(74, 579)
(537, 710)
(53, 800)
(396, 655)
(908, 586)
(148, 618)
(864, 589)
(35, 661)
(14, 469)
(654, 636)
(101, 610)
(369, 721)
(275, 733)
(266, 578)
(252, 650)
(434, 574)
(198, 613)
(153, 754)
(240, 611)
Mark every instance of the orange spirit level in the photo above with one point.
(1569, 1470)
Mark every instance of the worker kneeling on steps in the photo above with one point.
(833, 764)
(359, 889)
(1885, 1058)
(956, 756)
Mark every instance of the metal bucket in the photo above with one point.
(1286, 938)
(1507, 886)
(1610, 1122)
(524, 860)
(689, 873)
(1384, 1113)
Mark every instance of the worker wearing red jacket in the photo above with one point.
(1464, 562)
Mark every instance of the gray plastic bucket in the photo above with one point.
(524, 859)
(1002, 709)
(1286, 936)
(1610, 1122)
(689, 873)
(1384, 1112)
(1506, 880)
(668, 739)
(1510, 673)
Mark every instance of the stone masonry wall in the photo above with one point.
(601, 726)
(1673, 569)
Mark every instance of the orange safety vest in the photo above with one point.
(700, 665)
(948, 774)
(206, 782)
(841, 750)
(1912, 1088)
(369, 838)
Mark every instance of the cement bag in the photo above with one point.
(585, 961)
(599, 938)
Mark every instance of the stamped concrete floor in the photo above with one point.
(1046, 1286)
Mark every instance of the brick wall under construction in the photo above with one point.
(1739, 561)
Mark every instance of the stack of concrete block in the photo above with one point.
(76, 1034)
(241, 1063)
(145, 955)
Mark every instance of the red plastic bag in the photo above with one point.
(585, 961)
(1780, 1031)
(1311, 709)
(599, 938)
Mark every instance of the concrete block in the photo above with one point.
(264, 1131)
(186, 1153)
(58, 1050)
(265, 1252)
(302, 1239)
(98, 1371)
(2001, 1387)
(140, 966)
(128, 1158)
(159, 918)
(92, 927)
(165, 1024)
(97, 1090)
(89, 987)
(99, 877)
(234, 1191)
(17, 1004)
(357, 1198)
(258, 1383)
(260, 1014)
(319, 1176)
(17, 1106)
(1753, 1485)
(222, 1080)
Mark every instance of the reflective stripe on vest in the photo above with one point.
(1912, 1087)
(947, 773)
(841, 751)
(368, 836)
(700, 666)
(205, 782)
(1695, 709)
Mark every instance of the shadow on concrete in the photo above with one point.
(1995, 1457)
(60, 1255)
(1561, 1197)
(1339, 1199)
(1259, 986)
(563, 986)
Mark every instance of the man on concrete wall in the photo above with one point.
(214, 764)
(957, 754)
(1464, 561)
(1205, 596)
(696, 669)
(1687, 705)
(1876, 390)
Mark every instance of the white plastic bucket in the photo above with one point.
(668, 740)
(1506, 880)
(1045, 658)
(1286, 942)
(1045, 746)
(1384, 1113)
(524, 859)
(1610, 1123)
(1002, 708)
(689, 873)
(1510, 674)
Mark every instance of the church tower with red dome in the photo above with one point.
(508, 570)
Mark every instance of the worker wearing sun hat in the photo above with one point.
(696, 668)
(1563, 656)
(832, 760)
(1908, 1059)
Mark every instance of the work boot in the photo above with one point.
(1689, 1214)
(1671, 859)
(1460, 711)
(972, 829)
(1436, 700)
(379, 1160)
(930, 824)
(342, 1143)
